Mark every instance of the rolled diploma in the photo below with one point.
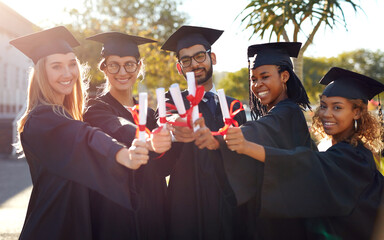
(143, 106)
(160, 93)
(192, 90)
(177, 98)
(223, 104)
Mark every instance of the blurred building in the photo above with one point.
(14, 70)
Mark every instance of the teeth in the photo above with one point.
(328, 123)
(122, 80)
(261, 94)
(65, 83)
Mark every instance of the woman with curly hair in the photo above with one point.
(338, 191)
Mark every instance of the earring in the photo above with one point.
(355, 124)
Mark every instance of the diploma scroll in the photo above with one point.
(143, 107)
(192, 90)
(178, 99)
(223, 104)
(160, 93)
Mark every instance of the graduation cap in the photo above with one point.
(187, 36)
(45, 43)
(120, 44)
(343, 83)
(277, 53)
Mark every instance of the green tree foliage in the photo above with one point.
(280, 17)
(314, 70)
(236, 85)
(155, 19)
(370, 63)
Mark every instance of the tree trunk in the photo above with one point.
(298, 65)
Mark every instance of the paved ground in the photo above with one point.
(15, 190)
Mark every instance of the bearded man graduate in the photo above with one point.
(201, 203)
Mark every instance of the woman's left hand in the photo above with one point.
(160, 141)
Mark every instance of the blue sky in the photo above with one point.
(364, 29)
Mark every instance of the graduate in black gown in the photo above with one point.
(121, 64)
(67, 158)
(339, 190)
(201, 203)
(277, 100)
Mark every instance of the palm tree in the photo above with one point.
(277, 16)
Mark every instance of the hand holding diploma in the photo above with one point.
(204, 137)
(133, 157)
(235, 140)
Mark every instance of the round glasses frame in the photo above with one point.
(129, 67)
(199, 57)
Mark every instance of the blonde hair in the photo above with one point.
(106, 87)
(41, 92)
(369, 130)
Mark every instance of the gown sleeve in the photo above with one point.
(104, 116)
(77, 152)
(284, 127)
(306, 183)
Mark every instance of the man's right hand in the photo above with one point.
(183, 134)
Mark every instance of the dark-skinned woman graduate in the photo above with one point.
(277, 100)
(121, 64)
(337, 191)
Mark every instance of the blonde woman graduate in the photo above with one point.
(67, 158)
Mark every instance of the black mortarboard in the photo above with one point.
(277, 53)
(343, 83)
(187, 36)
(45, 43)
(119, 44)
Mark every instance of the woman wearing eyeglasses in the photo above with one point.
(122, 65)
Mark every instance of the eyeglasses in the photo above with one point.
(129, 67)
(199, 57)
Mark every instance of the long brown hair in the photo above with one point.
(40, 92)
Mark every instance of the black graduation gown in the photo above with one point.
(201, 202)
(339, 190)
(108, 114)
(66, 159)
(284, 126)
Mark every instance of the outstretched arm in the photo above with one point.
(236, 142)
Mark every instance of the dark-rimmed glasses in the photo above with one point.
(129, 67)
(198, 57)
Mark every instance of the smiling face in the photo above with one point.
(203, 71)
(122, 80)
(337, 115)
(268, 85)
(62, 73)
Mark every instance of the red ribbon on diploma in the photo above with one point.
(194, 101)
(135, 115)
(230, 121)
(163, 120)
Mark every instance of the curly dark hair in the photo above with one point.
(369, 129)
